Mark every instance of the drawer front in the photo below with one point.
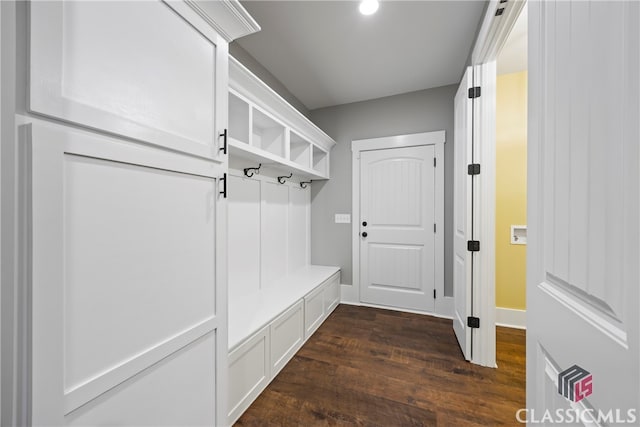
(248, 373)
(287, 336)
(313, 311)
(331, 294)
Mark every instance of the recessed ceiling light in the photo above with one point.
(368, 7)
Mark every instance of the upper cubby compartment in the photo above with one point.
(268, 134)
(264, 128)
(239, 118)
(300, 150)
(320, 161)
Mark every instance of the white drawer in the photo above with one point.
(249, 372)
(331, 294)
(313, 311)
(287, 336)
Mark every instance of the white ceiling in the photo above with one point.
(513, 56)
(326, 53)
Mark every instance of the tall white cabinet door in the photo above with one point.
(127, 323)
(397, 239)
(462, 200)
(583, 269)
(137, 69)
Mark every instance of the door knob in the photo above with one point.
(364, 223)
(364, 234)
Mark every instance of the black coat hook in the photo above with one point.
(303, 184)
(283, 179)
(249, 172)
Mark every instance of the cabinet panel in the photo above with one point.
(248, 372)
(244, 237)
(287, 336)
(299, 228)
(177, 381)
(123, 239)
(119, 260)
(87, 67)
(275, 207)
(331, 294)
(313, 311)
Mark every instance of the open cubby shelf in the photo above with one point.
(239, 118)
(256, 135)
(320, 161)
(266, 129)
(268, 134)
(300, 150)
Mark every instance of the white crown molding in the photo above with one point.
(228, 17)
(255, 90)
(493, 33)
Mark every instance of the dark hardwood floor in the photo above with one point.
(373, 367)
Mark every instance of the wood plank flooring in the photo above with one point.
(373, 367)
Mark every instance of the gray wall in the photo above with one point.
(421, 111)
(263, 74)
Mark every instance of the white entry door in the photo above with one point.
(397, 227)
(462, 189)
(583, 259)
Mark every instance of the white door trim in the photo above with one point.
(491, 38)
(351, 294)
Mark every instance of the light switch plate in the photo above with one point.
(343, 218)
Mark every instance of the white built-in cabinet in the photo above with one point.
(124, 172)
(264, 128)
(166, 285)
(277, 299)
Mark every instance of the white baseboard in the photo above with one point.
(511, 318)
(444, 307)
(349, 295)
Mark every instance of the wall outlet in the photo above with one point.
(343, 218)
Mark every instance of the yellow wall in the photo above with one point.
(511, 188)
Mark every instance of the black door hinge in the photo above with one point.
(434, 227)
(500, 11)
(474, 92)
(473, 322)
(473, 245)
(434, 162)
(473, 169)
(434, 294)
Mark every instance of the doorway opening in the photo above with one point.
(511, 177)
(476, 201)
